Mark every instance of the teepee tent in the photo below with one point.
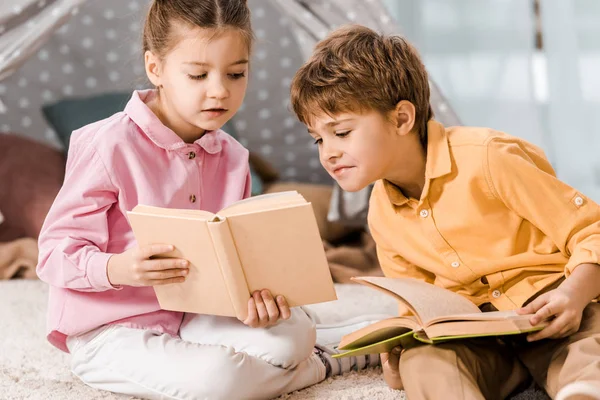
(25, 25)
(56, 49)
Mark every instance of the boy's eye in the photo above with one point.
(197, 77)
(237, 76)
(342, 134)
(318, 141)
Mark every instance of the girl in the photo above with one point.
(165, 149)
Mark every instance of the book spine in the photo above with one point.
(231, 268)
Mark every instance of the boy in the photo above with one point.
(472, 210)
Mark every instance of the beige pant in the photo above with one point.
(489, 369)
(216, 358)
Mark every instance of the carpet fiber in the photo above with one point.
(32, 369)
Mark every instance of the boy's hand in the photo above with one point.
(566, 308)
(390, 363)
(265, 311)
(135, 267)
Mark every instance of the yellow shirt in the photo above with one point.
(493, 223)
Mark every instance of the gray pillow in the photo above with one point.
(68, 115)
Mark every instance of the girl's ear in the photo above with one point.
(404, 116)
(153, 68)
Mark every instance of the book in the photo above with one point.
(269, 242)
(434, 315)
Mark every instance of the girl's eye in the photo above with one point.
(318, 141)
(196, 77)
(237, 76)
(342, 134)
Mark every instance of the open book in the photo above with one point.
(437, 315)
(265, 242)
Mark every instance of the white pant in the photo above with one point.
(216, 358)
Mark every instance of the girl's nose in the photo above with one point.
(217, 89)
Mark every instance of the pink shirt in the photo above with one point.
(128, 159)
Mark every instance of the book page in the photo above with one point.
(507, 325)
(281, 250)
(484, 316)
(204, 290)
(263, 202)
(425, 300)
(175, 212)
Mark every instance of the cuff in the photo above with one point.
(97, 272)
(581, 256)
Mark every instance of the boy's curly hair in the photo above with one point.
(356, 69)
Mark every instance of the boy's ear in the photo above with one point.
(153, 68)
(404, 114)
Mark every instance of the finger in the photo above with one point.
(252, 318)
(532, 307)
(394, 358)
(154, 249)
(272, 309)
(165, 264)
(571, 327)
(158, 282)
(261, 309)
(547, 311)
(284, 309)
(167, 274)
(553, 328)
(384, 358)
(566, 331)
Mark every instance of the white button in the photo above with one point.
(455, 264)
(578, 201)
(424, 213)
(496, 294)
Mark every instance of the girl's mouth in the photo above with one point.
(214, 112)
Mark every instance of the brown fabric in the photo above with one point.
(319, 196)
(18, 259)
(358, 258)
(31, 175)
(492, 368)
(263, 168)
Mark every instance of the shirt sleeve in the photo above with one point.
(519, 174)
(75, 234)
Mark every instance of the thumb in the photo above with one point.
(392, 358)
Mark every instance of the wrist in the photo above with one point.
(576, 295)
(112, 271)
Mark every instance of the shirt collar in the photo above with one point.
(161, 135)
(438, 162)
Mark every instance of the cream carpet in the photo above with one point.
(32, 369)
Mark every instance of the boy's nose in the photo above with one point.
(329, 152)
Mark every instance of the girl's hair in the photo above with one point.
(216, 15)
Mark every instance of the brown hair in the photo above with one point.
(208, 14)
(357, 69)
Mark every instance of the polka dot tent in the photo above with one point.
(98, 51)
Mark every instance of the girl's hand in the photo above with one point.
(135, 267)
(265, 311)
(390, 363)
(565, 307)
